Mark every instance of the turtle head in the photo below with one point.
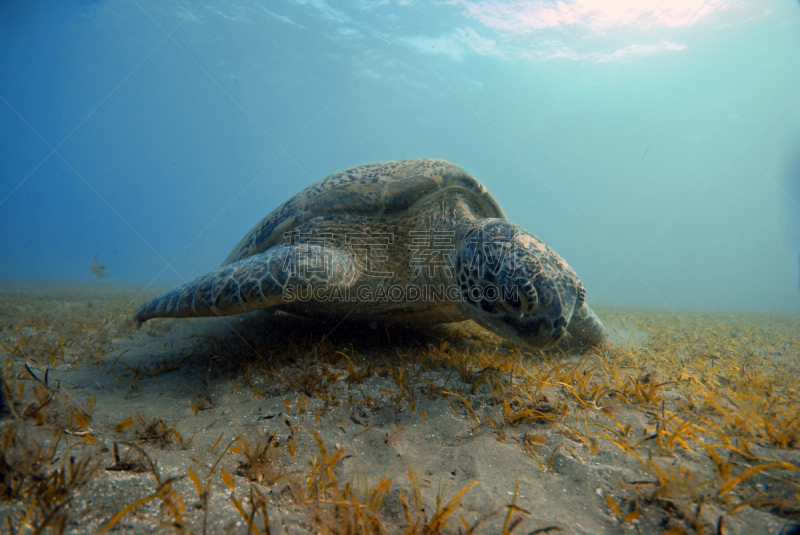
(513, 284)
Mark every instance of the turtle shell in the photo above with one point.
(400, 188)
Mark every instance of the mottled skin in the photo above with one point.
(336, 249)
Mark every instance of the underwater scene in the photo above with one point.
(419, 267)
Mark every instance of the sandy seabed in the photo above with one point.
(267, 423)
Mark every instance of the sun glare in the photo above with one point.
(525, 16)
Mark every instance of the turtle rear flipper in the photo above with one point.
(259, 281)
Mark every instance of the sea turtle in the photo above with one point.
(412, 241)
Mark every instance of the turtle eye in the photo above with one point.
(514, 304)
(525, 294)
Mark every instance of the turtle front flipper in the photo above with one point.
(263, 280)
(585, 328)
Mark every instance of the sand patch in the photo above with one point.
(626, 335)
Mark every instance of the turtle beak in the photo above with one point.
(534, 332)
(557, 337)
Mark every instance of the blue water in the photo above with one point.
(644, 140)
